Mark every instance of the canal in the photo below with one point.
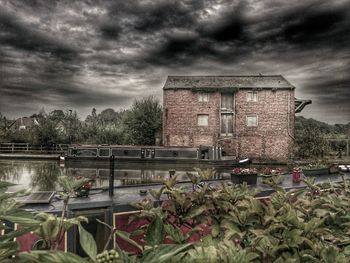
(42, 175)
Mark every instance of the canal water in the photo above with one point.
(42, 175)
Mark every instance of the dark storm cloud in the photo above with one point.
(24, 37)
(148, 16)
(96, 53)
(318, 26)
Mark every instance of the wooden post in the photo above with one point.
(347, 147)
(27, 147)
(111, 175)
(13, 147)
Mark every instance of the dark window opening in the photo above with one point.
(227, 102)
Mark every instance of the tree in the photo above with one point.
(143, 121)
(72, 126)
(47, 133)
(108, 115)
(91, 127)
(310, 143)
(57, 115)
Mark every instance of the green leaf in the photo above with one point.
(163, 253)
(87, 242)
(41, 256)
(20, 220)
(156, 194)
(347, 250)
(175, 234)
(215, 230)
(155, 232)
(195, 179)
(195, 211)
(7, 249)
(16, 233)
(126, 237)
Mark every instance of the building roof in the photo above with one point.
(28, 122)
(218, 82)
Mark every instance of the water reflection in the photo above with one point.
(11, 171)
(38, 175)
(43, 175)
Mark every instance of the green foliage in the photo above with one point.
(11, 211)
(310, 143)
(156, 194)
(137, 125)
(46, 133)
(310, 137)
(222, 224)
(51, 257)
(163, 253)
(108, 256)
(305, 225)
(144, 120)
(126, 237)
(206, 174)
(274, 181)
(155, 232)
(87, 242)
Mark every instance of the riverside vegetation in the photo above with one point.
(137, 125)
(225, 223)
(142, 123)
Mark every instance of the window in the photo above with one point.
(227, 124)
(252, 96)
(227, 102)
(202, 119)
(252, 121)
(203, 97)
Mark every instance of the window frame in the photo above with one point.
(203, 97)
(252, 96)
(226, 133)
(257, 120)
(232, 103)
(202, 115)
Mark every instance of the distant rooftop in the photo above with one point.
(216, 82)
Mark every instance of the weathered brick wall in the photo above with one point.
(270, 140)
(181, 108)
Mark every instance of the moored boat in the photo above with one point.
(148, 154)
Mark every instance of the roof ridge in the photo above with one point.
(273, 75)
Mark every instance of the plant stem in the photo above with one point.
(109, 240)
(60, 234)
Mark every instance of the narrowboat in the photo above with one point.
(148, 154)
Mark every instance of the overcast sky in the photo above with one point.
(83, 54)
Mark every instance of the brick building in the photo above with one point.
(249, 116)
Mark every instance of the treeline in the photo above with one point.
(138, 125)
(311, 138)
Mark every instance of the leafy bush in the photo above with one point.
(226, 223)
(221, 224)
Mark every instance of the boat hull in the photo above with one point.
(316, 172)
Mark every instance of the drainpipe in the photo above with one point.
(236, 135)
(288, 128)
(288, 119)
